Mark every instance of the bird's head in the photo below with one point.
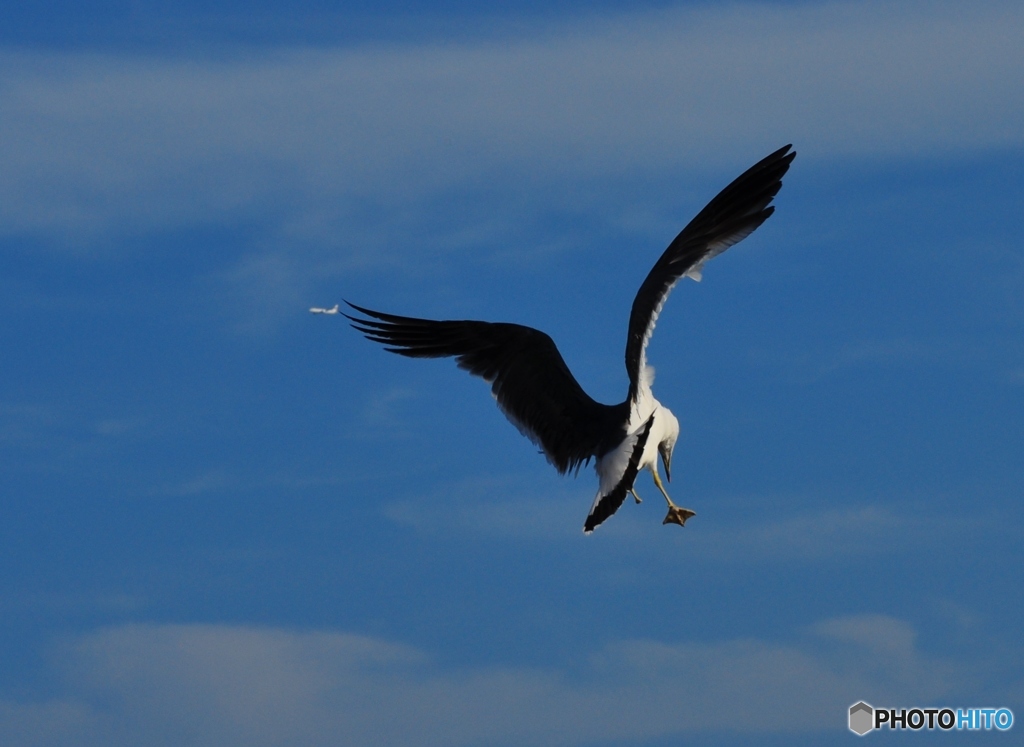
(668, 441)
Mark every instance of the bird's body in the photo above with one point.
(537, 392)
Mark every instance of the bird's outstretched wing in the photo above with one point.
(528, 377)
(728, 219)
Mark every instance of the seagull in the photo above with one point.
(318, 310)
(539, 395)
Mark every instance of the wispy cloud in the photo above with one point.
(819, 534)
(64, 604)
(380, 414)
(304, 139)
(212, 481)
(224, 480)
(779, 532)
(26, 424)
(223, 685)
(494, 507)
(809, 368)
(114, 427)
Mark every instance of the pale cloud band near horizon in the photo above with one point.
(239, 685)
(107, 144)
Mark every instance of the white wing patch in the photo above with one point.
(612, 466)
(696, 272)
(647, 376)
(714, 249)
(645, 380)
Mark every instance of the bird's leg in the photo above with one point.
(657, 481)
(676, 515)
(635, 496)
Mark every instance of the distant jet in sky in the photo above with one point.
(538, 394)
(318, 310)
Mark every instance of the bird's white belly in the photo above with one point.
(611, 467)
(647, 407)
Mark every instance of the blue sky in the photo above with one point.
(228, 522)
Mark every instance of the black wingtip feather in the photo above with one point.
(732, 215)
(528, 377)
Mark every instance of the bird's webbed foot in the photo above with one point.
(635, 496)
(677, 515)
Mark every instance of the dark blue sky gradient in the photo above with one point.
(182, 445)
(182, 26)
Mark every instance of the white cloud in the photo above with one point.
(496, 507)
(819, 534)
(877, 633)
(56, 722)
(506, 508)
(809, 368)
(380, 415)
(26, 424)
(102, 145)
(211, 481)
(856, 530)
(223, 685)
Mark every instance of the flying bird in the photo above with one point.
(539, 395)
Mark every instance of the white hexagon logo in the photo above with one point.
(862, 718)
